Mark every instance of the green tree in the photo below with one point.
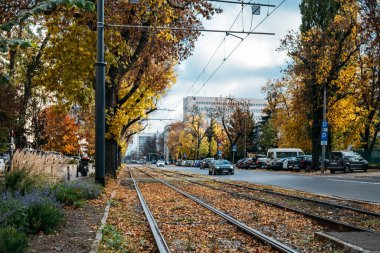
(323, 57)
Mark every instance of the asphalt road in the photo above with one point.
(357, 186)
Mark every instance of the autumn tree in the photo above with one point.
(60, 131)
(197, 125)
(368, 86)
(235, 118)
(23, 38)
(322, 56)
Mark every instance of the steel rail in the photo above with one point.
(158, 237)
(253, 232)
(359, 210)
(336, 225)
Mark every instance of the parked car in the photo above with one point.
(304, 162)
(206, 162)
(250, 163)
(278, 164)
(241, 163)
(274, 154)
(220, 166)
(178, 163)
(261, 161)
(197, 163)
(160, 163)
(346, 161)
(290, 163)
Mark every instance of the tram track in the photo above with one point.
(285, 227)
(349, 204)
(232, 222)
(327, 214)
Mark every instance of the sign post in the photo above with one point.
(324, 141)
(233, 153)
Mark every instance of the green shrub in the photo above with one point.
(68, 195)
(12, 241)
(12, 211)
(74, 193)
(18, 181)
(43, 217)
(37, 210)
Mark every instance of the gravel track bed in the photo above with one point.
(188, 227)
(287, 227)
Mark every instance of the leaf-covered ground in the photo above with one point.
(188, 227)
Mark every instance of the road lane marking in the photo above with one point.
(350, 181)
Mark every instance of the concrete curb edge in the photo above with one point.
(99, 234)
(347, 247)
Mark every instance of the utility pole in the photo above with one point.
(324, 132)
(245, 136)
(100, 91)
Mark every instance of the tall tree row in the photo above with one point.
(50, 51)
(336, 48)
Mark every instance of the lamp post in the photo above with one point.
(100, 99)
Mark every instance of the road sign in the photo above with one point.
(325, 126)
(324, 137)
(234, 148)
(219, 153)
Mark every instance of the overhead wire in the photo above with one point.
(221, 64)
(211, 58)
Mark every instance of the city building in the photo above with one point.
(205, 103)
(146, 146)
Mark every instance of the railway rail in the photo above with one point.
(158, 237)
(327, 222)
(257, 235)
(320, 201)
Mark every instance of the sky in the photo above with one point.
(245, 70)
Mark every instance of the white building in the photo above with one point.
(204, 103)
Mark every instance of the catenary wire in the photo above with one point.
(224, 60)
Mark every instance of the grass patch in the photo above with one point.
(12, 241)
(113, 239)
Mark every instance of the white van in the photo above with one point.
(274, 154)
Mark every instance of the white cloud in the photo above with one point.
(246, 71)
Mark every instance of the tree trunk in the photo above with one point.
(111, 158)
(316, 131)
(119, 156)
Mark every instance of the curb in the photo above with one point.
(345, 246)
(99, 234)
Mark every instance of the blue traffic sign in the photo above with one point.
(325, 126)
(219, 153)
(324, 137)
(233, 148)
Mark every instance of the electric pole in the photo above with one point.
(100, 91)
